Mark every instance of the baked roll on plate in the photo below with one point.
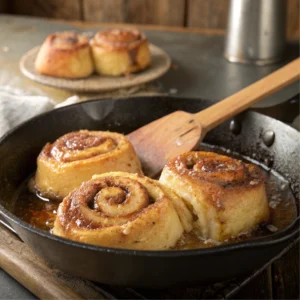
(77, 156)
(160, 64)
(119, 52)
(122, 210)
(227, 196)
(66, 55)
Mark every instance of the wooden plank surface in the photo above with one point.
(259, 288)
(46, 282)
(86, 25)
(207, 14)
(3, 6)
(293, 21)
(286, 276)
(60, 9)
(203, 14)
(104, 10)
(163, 12)
(213, 14)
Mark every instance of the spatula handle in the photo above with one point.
(231, 106)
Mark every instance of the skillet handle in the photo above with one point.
(21, 263)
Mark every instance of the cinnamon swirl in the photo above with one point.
(65, 54)
(120, 210)
(227, 196)
(119, 52)
(77, 156)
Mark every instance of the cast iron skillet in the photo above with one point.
(20, 147)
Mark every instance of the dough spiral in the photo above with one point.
(120, 52)
(227, 196)
(120, 210)
(77, 156)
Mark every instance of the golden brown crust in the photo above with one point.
(220, 172)
(117, 39)
(66, 55)
(67, 41)
(119, 210)
(118, 51)
(75, 146)
(226, 196)
(77, 156)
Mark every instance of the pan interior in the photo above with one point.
(18, 151)
(41, 212)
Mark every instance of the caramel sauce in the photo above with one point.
(72, 39)
(81, 141)
(37, 211)
(215, 168)
(68, 148)
(41, 212)
(67, 40)
(133, 56)
(119, 39)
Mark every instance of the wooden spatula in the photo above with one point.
(180, 131)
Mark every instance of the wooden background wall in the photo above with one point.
(208, 14)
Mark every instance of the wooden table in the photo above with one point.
(199, 70)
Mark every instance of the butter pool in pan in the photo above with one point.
(41, 211)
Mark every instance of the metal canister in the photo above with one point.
(256, 31)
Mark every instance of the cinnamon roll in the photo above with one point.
(65, 54)
(120, 210)
(226, 196)
(77, 156)
(119, 52)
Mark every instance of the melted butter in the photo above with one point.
(37, 211)
(41, 212)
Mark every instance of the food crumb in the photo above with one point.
(212, 242)
(272, 228)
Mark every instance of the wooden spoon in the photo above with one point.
(179, 132)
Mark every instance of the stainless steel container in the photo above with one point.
(256, 31)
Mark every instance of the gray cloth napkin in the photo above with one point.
(17, 107)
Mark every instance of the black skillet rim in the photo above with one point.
(275, 238)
